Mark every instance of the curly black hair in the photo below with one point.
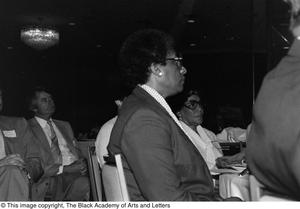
(178, 101)
(140, 50)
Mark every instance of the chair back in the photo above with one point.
(84, 146)
(114, 181)
(255, 188)
(257, 194)
(95, 174)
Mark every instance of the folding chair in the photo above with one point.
(255, 188)
(257, 194)
(114, 181)
(95, 174)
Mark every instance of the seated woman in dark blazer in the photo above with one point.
(160, 162)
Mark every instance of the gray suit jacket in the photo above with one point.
(18, 139)
(41, 187)
(160, 162)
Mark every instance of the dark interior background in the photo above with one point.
(228, 46)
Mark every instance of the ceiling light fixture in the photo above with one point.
(191, 18)
(39, 38)
(191, 21)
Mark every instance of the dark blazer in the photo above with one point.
(273, 147)
(18, 139)
(40, 188)
(160, 162)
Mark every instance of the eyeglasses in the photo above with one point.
(193, 104)
(177, 60)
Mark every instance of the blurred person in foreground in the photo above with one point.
(104, 135)
(273, 147)
(65, 169)
(160, 162)
(20, 163)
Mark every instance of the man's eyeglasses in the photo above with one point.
(177, 60)
(193, 104)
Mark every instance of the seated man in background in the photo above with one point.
(65, 176)
(19, 158)
(273, 146)
(103, 136)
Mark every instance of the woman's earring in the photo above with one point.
(160, 73)
(179, 115)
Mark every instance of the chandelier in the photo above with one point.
(39, 38)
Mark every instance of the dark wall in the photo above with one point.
(224, 80)
(86, 83)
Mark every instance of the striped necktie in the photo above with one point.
(56, 153)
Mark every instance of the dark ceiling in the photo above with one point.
(87, 24)
(82, 68)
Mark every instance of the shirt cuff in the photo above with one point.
(60, 169)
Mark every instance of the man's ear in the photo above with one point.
(33, 107)
(34, 110)
(156, 70)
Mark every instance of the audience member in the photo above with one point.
(190, 115)
(90, 134)
(103, 137)
(20, 162)
(273, 147)
(64, 167)
(160, 162)
(229, 116)
(190, 111)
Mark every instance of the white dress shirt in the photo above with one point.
(67, 156)
(203, 141)
(102, 140)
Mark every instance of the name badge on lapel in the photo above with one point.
(10, 134)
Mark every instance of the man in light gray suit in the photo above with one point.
(65, 175)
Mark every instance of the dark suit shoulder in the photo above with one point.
(31, 121)
(11, 119)
(13, 122)
(59, 121)
(62, 122)
(140, 102)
